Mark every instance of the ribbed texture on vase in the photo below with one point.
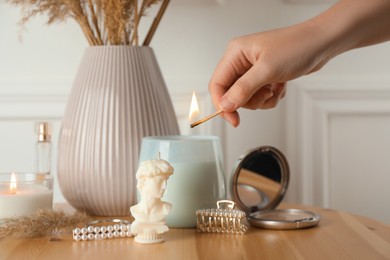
(118, 97)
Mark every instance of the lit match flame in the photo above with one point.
(12, 185)
(194, 109)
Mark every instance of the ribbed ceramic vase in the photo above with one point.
(118, 97)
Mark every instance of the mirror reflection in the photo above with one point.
(261, 179)
(259, 184)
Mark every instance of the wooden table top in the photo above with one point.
(339, 235)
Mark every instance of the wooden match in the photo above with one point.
(201, 121)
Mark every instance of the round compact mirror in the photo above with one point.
(259, 184)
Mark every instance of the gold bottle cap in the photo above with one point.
(43, 130)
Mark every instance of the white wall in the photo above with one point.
(188, 44)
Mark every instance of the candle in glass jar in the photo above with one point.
(24, 194)
(198, 180)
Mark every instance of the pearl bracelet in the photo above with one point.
(92, 232)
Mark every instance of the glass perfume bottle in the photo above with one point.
(43, 147)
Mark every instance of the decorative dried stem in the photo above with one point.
(155, 23)
(136, 22)
(95, 22)
(41, 223)
(103, 22)
(126, 7)
(82, 20)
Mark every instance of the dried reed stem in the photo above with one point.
(82, 20)
(95, 22)
(103, 22)
(155, 23)
(41, 223)
(136, 23)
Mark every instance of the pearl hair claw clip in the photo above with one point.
(221, 220)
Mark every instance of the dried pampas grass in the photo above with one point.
(41, 223)
(103, 22)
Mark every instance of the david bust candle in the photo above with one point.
(198, 181)
(24, 193)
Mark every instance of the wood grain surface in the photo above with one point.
(340, 235)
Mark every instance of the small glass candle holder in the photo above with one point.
(198, 178)
(24, 193)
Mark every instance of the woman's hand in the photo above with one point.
(254, 69)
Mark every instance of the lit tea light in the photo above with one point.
(12, 185)
(24, 193)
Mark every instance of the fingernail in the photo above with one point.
(226, 105)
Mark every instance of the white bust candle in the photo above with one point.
(150, 212)
(24, 194)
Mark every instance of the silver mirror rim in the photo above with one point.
(285, 173)
(256, 219)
